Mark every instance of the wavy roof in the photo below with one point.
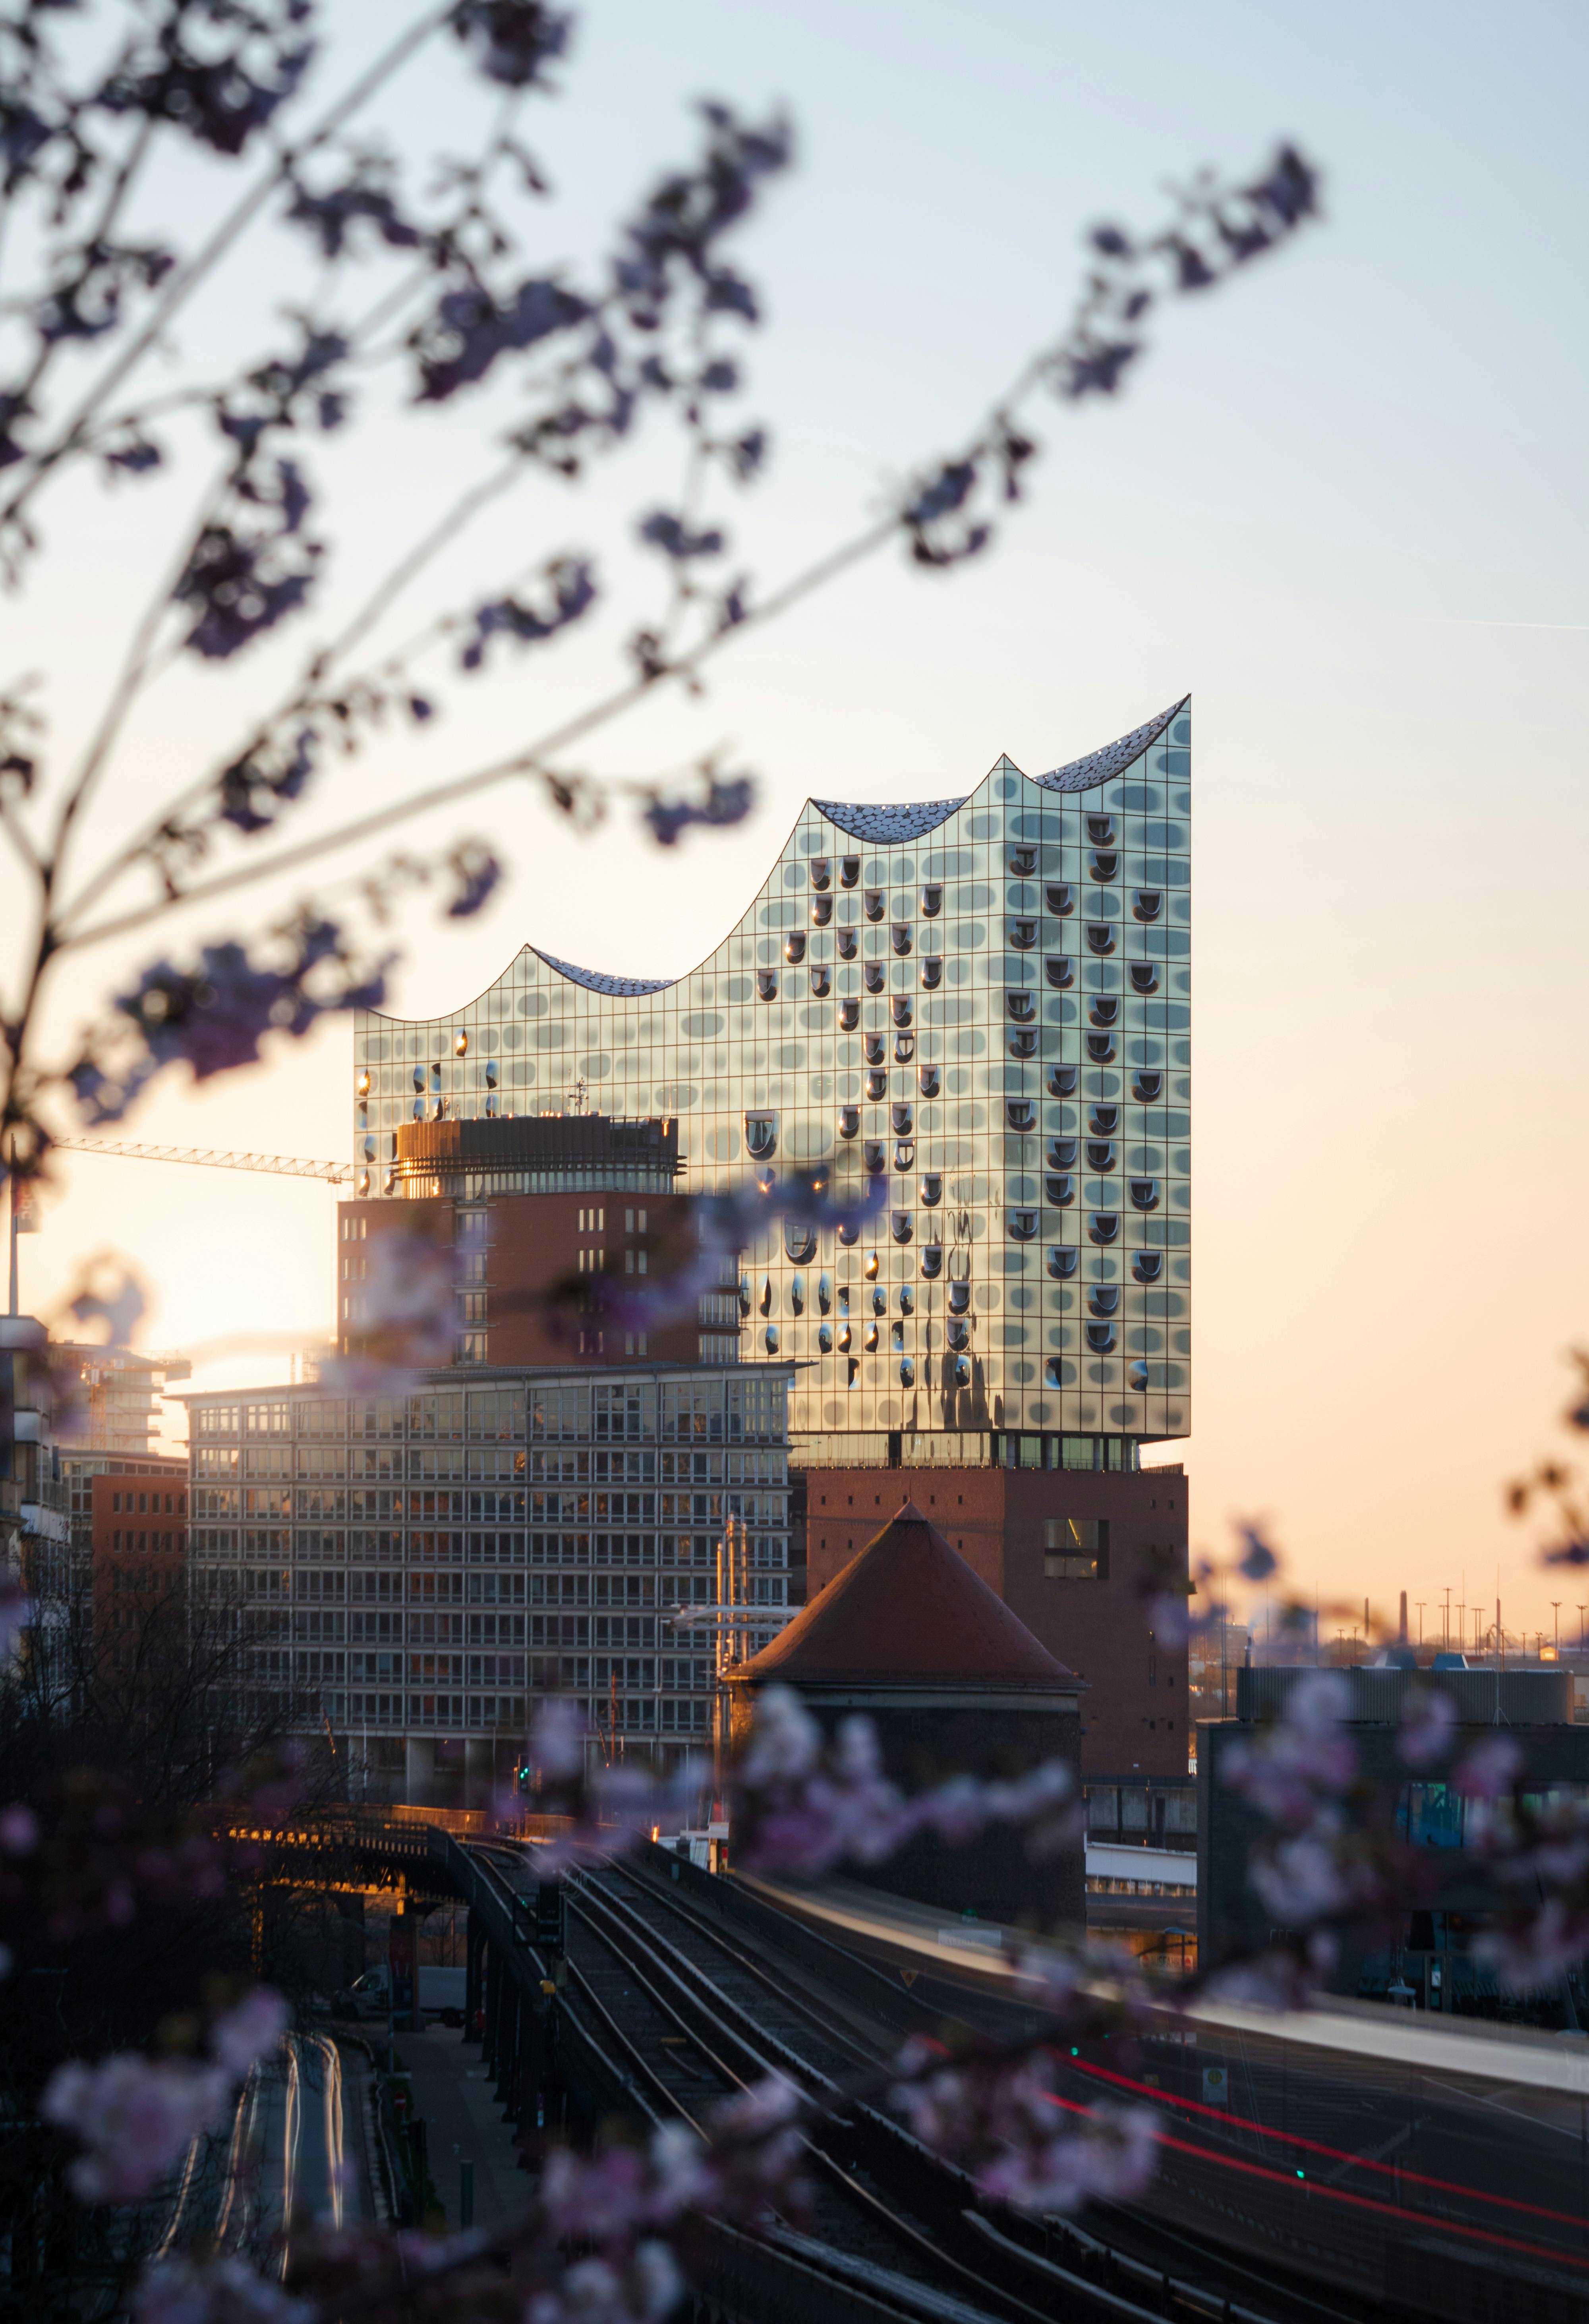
(889, 825)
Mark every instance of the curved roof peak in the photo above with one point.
(891, 824)
(1081, 774)
(623, 987)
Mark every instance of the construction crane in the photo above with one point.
(282, 1165)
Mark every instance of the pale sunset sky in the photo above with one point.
(1342, 504)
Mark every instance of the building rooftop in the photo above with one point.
(909, 1608)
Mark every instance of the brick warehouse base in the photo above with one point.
(1072, 1553)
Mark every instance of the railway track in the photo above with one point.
(688, 2011)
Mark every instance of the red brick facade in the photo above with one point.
(140, 1544)
(1134, 1717)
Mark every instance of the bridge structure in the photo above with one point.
(1326, 2185)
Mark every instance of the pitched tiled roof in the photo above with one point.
(909, 1608)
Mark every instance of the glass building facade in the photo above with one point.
(983, 1002)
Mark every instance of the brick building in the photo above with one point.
(1073, 1552)
(138, 1534)
(540, 1216)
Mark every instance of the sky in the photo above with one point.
(1343, 505)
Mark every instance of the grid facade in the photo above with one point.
(430, 1563)
(983, 1003)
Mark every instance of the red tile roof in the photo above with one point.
(909, 1608)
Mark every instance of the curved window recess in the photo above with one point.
(1023, 1225)
(1144, 1194)
(877, 1088)
(363, 1182)
(871, 903)
(899, 1226)
(849, 1120)
(927, 1079)
(1062, 1080)
(767, 983)
(794, 950)
(1136, 1376)
(932, 1259)
(958, 1335)
(869, 1270)
(1062, 1153)
(932, 975)
(419, 1077)
(491, 1073)
(848, 944)
(1059, 972)
(905, 1156)
(439, 1110)
(876, 1159)
(932, 1189)
(821, 869)
(760, 1135)
(435, 1080)
(1101, 830)
(844, 1339)
(390, 1187)
(1105, 1226)
(491, 1105)
(1104, 1009)
(824, 1291)
(1144, 976)
(460, 1046)
(744, 1294)
(849, 1016)
(821, 911)
(1062, 1261)
(957, 1370)
(1100, 938)
(904, 1125)
(932, 901)
(1148, 1265)
(872, 1339)
(879, 1296)
(907, 1300)
(849, 871)
(1104, 1299)
(821, 982)
(419, 1109)
(364, 1084)
(855, 1372)
(1101, 1048)
(1147, 1088)
(1023, 935)
(1101, 1154)
(907, 1371)
(1059, 1189)
(900, 1009)
(1023, 863)
(902, 936)
(797, 1288)
(1020, 1113)
(1053, 1372)
(1103, 864)
(872, 1044)
(800, 1247)
(1104, 1120)
(1021, 1005)
(770, 1337)
(824, 1339)
(1148, 903)
(765, 1301)
(1059, 896)
(959, 1298)
(874, 974)
(849, 1237)
(904, 1047)
(1023, 1041)
(1100, 1338)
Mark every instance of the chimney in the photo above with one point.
(1401, 1633)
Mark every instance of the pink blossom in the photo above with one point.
(1107, 2153)
(557, 1738)
(1300, 1880)
(224, 2291)
(1535, 1951)
(245, 2033)
(785, 1744)
(1490, 1769)
(1428, 1725)
(135, 2116)
(19, 1829)
(595, 2291)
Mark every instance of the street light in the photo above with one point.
(1556, 1616)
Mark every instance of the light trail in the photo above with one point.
(1222, 2115)
(334, 2164)
(1310, 2187)
(181, 2205)
(291, 2138)
(247, 2105)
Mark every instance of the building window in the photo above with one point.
(1076, 1549)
